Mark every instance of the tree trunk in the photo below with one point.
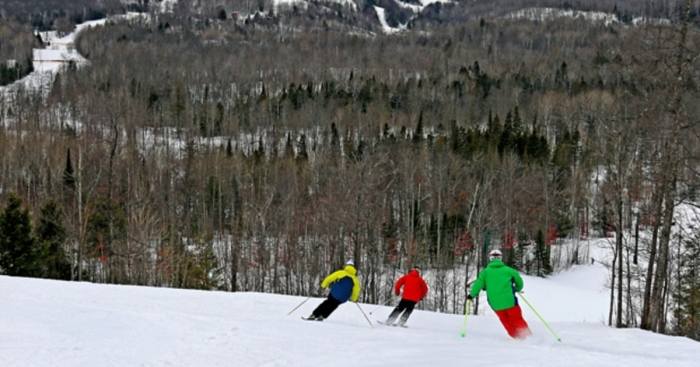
(612, 290)
(660, 277)
(646, 323)
(636, 239)
(618, 245)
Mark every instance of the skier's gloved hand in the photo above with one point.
(469, 297)
(397, 293)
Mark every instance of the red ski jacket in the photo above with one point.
(414, 287)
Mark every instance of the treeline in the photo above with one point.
(624, 10)
(246, 158)
(44, 15)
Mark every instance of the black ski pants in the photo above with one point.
(404, 306)
(326, 307)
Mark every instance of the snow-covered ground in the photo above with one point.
(381, 15)
(545, 14)
(417, 8)
(277, 4)
(58, 52)
(48, 61)
(53, 323)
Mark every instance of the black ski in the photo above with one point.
(310, 319)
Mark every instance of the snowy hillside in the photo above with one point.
(58, 52)
(548, 14)
(51, 323)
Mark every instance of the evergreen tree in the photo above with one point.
(505, 142)
(105, 226)
(68, 173)
(18, 254)
(517, 124)
(335, 144)
(229, 148)
(51, 236)
(494, 132)
(456, 137)
(418, 133)
(561, 76)
(687, 297)
(219, 118)
(221, 15)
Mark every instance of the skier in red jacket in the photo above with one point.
(414, 290)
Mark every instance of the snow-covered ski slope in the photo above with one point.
(53, 323)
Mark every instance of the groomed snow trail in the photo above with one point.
(54, 323)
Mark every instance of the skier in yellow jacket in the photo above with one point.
(344, 285)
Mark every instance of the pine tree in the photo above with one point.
(418, 133)
(506, 138)
(68, 173)
(494, 131)
(221, 15)
(18, 254)
(219, 119)
(51, 236)
(229, 149)
(687, 297)
(335, 144)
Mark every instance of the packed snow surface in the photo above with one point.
(381, 15)
(54, 323)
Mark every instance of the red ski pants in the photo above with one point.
(512, 320)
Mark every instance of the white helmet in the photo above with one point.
(495, 254)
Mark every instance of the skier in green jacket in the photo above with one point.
(500, 283)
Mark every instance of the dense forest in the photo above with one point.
(204, 151)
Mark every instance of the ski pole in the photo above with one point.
(299, 305)
(540, 317)
(463, 333)
(363, 314)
